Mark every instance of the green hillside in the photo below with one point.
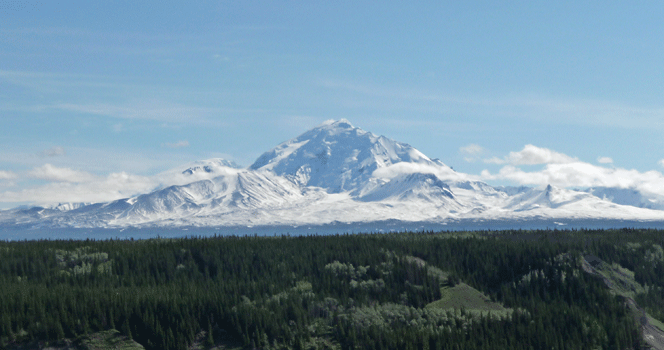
(468, 290)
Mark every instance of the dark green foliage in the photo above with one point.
(347, 291)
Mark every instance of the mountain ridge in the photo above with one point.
(334, 172)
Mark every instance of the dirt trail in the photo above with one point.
(651, 334)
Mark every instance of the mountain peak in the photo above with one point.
(341, 123)
(209, 166)
(333, 127)
(337, 156)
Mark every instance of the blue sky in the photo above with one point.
(101, 96)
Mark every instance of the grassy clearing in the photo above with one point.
(620, 280)
(463, 296)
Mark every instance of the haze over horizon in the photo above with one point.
(99, 98)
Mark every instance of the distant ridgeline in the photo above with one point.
(462, 290)
(333, 175)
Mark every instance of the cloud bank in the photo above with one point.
(565, 171)
(71, 185)
(533, 155)
(51, 173)
(74, 186)
(404, 168)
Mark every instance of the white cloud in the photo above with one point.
(661, 162)
(564, 171)
(98, 189)
(53, 152)
(532, 155)
(405, 168)
(495, 160)
(7, 175)
(176, 177)
(179, 144)
(581, 174)
(67, 185)
(124, 184)
(471, 149)
(51, 173)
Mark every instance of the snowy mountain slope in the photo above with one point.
(554, 202)
(239, 192)
(67, 206)
(629, 196)
(195, 171)
(171, 200)
(337, 157)
(234, 193)
(343, 208)
(93, 215)
(551, 197)
(412, 187)
(333, 173)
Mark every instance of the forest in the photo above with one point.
(409, 290)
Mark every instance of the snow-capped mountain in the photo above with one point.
(338, 157)
(334, 173)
